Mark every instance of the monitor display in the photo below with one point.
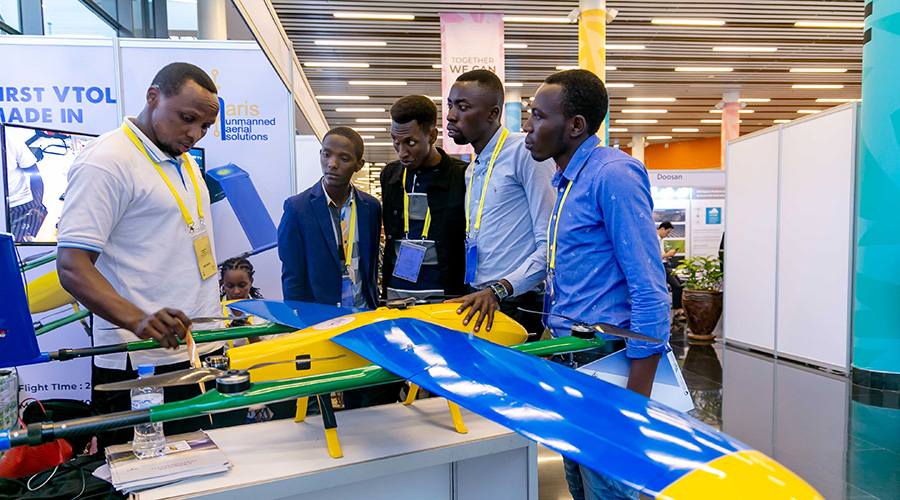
(36, 166)
(198, 155)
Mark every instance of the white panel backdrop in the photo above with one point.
(816, 237)
(750, 226)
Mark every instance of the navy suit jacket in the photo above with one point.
(308, 249)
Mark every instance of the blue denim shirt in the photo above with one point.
(607, 255)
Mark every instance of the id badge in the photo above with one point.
(347, 292)
(471, 259)
(206, 262)
(409, 261)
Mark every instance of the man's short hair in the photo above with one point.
(583, 94)
(350, 134)
(415, 107)
(666, 225)
(171, 78)
(486, 79)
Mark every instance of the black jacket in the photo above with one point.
(446, 199)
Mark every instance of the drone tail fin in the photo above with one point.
(18, 343)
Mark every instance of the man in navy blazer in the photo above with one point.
(310, 244)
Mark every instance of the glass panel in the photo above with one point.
(68, 17)
(182, 17)
(9, 13)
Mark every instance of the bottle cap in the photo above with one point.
(145, 370)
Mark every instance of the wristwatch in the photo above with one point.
(500, 291)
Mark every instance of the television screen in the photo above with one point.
(36, 166)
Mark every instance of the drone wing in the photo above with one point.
(613, 431)
(291, 313)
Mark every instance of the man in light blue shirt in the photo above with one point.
(604, 264)
(508, 203)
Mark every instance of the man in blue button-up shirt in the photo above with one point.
(603, 254)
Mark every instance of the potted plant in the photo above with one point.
(702, 296)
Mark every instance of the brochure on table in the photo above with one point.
(694, 202)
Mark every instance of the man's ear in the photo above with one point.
(153, 94)
(360, 164)
(433, 135)
(495, 113)
(579, 125)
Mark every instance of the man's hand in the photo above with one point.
(483, 301)
(643, 371)
(670, 253)
(166, 326)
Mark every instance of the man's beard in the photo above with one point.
(174, 153)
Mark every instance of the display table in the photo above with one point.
(391, 452)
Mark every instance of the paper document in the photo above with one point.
(668, 385)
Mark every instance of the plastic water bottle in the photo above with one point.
(149, 440)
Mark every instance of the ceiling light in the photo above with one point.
(566, 68)
(381, 164)
(638, 110)
(435, 97)
(342, 97)
(685, 130)
(818, 70)
(532, 19)
(742, 111)
(367, 137)
(513, 84)
(618, 129)
(658, 137)
(619, 85)
(815, 86)
(351, 43)
(625, 122)
(745, 49)
(515, 45)
(704, 69)
(624, 47)
(688, 22)
(650, 99)
(828, 24)
(335, 65)
(717, 121)
(377, 82)
(370, 129)
(781, 121)
(373, 120)
(359, 110)
(754, 99)
(436, 66)
(838, 100)
(809, 111)
(374, 15)
(379, 143)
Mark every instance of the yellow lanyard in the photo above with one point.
(184, 212)
(351, 232)
(406, 212)
(551, 250)
(487, 177)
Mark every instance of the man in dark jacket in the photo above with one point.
(424, 212)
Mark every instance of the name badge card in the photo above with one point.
(409, 261)
(203, 249)
(471, 259)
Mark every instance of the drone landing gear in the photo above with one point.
(302, 404)
(331, 437)
(458, 423)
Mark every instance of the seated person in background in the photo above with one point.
(328, 242)
(424, 213)
(662, 232)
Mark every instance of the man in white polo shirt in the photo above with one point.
(135, 236)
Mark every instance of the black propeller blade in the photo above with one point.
(603, 328)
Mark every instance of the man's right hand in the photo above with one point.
(166, 326)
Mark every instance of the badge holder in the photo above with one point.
(409, 261)
(471, 258)
(203, 249)
(347, 289)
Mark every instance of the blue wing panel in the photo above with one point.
(297, 315)
(247, 206)
(18, 344)
(611, 430)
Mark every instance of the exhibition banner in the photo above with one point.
(468, 41)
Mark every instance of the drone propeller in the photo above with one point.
(603, 328)
(192, 376)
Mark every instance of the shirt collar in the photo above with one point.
(331, 203)
(489, 148)
(580, 158)
(152, 149)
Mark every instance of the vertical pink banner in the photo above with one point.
(468, 41)
(731, 125)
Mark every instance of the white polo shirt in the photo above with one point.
(118, 205)
(19, 157)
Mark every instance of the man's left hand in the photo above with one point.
(483, 302)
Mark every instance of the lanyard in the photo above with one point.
(551, 251)
(487, 177)
(184, 211)
(348, 245)
(406, 213)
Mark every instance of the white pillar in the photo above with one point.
(637, 147)
(211, 20)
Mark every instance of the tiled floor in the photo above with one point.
(814, 423)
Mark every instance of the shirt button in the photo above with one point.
(389, 237)
(395, 212)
